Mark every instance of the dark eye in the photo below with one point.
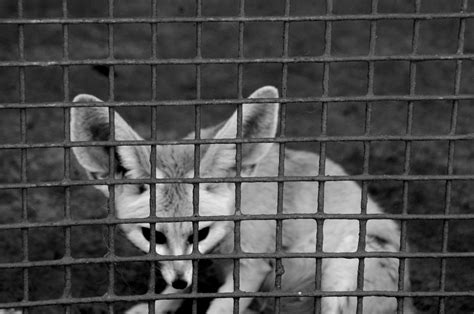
(159, 236)
(202, 234)
(142, 188)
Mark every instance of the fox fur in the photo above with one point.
(259, 120)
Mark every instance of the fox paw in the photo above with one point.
(161, 307)
(220, 306)
(10, 311)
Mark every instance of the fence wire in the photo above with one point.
(113, 260)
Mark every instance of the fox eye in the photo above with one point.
(142, 188)
(202, 234)
(159, 236)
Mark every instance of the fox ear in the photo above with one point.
(259, 120)
(92, 124)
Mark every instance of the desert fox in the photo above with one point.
(259, 120)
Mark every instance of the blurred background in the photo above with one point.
(44, 42)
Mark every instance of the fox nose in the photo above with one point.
(179, 284)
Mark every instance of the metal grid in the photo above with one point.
(323, 139)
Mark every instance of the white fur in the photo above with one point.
(258, 159)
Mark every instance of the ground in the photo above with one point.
(178, 82)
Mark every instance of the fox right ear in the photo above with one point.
(92, 124)
(259, 120)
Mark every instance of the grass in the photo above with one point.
(220, 40)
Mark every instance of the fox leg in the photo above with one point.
(380, 274)
(252, 275)
(339, 274)
(161, 306)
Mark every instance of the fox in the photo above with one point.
(260, 120)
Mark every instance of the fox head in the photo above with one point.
(259, 120)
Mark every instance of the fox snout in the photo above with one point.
(177, 274)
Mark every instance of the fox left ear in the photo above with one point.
(92, 124)
(259, 120)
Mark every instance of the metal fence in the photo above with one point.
(111, 259)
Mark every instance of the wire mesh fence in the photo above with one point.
(386, 91)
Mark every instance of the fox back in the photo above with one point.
(257, 158)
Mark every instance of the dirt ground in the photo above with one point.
(178, 82)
